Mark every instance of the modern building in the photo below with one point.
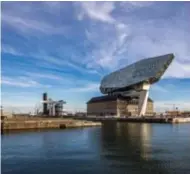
(135, 81)
(116, 106)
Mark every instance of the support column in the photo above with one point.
(50, 109)
(53, 109)
(117, 108)
(143, 98)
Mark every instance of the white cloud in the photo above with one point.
(133, 6)
(22, 82)
(178, 70)
(143, 46)
(25, 25)
(40, 75)
(59, 62)
(10, 50)
(136, 39)
(109, 39)
(110, 43)
(117, 41)
(100, 11)
(86, 88)
(12, 82)
(53, 6)
(138, 4)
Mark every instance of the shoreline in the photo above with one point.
(25, 124)
(39, 123)
(163, 120)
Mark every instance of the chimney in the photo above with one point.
(45, 108)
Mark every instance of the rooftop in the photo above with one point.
(112, 98)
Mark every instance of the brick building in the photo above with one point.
(116, 106)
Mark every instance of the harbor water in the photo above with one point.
(114, 148)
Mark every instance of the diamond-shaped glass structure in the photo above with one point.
(147, 70)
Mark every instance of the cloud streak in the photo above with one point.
(100, 11)
(22, 82)
(46, 76)
(87, 88)
(49, 59)
(135, 39)
(25, 23)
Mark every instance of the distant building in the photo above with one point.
(51, 107)
(116, 106)
(5, 114)
(178, 113)
(185, 113)
(173, 113)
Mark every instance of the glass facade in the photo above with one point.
(149, 70)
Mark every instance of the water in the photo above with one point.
(126, 148)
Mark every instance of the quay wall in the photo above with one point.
(171, 120)
(181, 120)
(62, 123)
(24, 124)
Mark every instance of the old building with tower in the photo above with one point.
(116, 106)
(126, 91)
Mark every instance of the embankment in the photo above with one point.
(44, 123)
(171, 120)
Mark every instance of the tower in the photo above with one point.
(45, 104)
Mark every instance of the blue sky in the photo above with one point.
(65, 48)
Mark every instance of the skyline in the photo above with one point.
(65, 48)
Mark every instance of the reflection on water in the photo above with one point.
(114, 148)
(148, 147)
(146, 141)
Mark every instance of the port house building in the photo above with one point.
(134, 80)
(126, 91)
(116, 106)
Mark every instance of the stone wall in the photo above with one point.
(102, 108)
(23, 124)
(121, 107)
(117, 108)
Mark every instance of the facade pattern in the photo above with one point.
(147, 70)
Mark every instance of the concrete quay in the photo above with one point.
(171, 120)
(181, 120)
(44, 123)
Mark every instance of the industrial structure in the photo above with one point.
(134, 82)
(51, 107)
